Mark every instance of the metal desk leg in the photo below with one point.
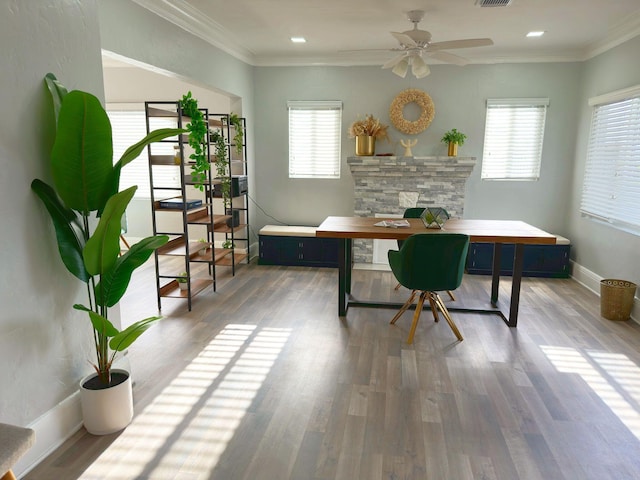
(518, 261)
(344, 275)
(495, 272)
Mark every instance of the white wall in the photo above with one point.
(609, 252)
(44, 343)
(459, 95)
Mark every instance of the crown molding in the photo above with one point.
(192, 20)
(628, 29)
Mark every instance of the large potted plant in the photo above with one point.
(86, 209)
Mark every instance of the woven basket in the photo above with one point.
(616, 298)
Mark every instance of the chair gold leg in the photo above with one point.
(8, 476)
(450, 293)
(434, 307)
(447, 317)
(397, 287)
(416, 317)
(404, 308)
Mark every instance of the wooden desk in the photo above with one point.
(489, 231)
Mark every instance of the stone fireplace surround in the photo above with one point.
(389, 185)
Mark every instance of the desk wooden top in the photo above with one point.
(490, 231)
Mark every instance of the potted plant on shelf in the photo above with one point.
(366, 131)
(454, 138)
(86, 209)
(182, 281)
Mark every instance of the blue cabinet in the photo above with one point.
(298, 251)
(539, 260)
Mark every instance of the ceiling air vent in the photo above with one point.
(493, 3)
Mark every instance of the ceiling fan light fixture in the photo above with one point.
(298, 40)
(419, 68)
(534, 33)
(401, 68)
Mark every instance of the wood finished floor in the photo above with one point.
(263, 381)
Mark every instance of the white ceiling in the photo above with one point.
(258, 31)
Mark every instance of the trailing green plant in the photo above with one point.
(197, 129)
(182, 278)
(85, 186)
(454, 136)
(222, 166)
(238, 137)
(227, 244)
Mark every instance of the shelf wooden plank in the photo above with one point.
(202, 217)
(227, 229)
(162, 113)
(172, 290)
(227, 261)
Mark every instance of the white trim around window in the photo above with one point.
(611, 187)
(315, 139)
(513, 139)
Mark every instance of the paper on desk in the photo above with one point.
(393, 224)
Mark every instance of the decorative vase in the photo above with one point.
(453, 149)
(365, 145)
(106, 410)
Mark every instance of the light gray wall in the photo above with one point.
(609, 252)
(459, 95)
(133, 32)
(44, 343)
(133, 86)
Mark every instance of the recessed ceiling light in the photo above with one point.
(535, 34)
(298, 40)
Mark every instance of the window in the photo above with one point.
(513, 138)
(611, 190)
(314, 139)
(129, 127)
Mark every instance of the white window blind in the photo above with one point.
(315, 139)
(513, 138)
(611, 190)
(129, 127)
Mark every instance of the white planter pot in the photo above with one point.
(107, 410)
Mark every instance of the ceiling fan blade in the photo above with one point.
(394, 61)
(404, 39)
(471, 42)
(449, 58)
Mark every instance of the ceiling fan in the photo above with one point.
(416, 43)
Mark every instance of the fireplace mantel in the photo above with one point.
(389, 185)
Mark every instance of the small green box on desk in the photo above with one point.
(550, 261)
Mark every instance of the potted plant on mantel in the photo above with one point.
(454, 138)
(366, 132)
(85, 180)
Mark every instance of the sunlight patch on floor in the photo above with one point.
(185, 430)
(612, 376)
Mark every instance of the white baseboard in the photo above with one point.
(52, 430)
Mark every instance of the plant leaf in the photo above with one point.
(134, 150)
(125, 338)
(57, 91)
(113, 284)
(70, 242)
(100, 324)
(102, 249)
(82, 154)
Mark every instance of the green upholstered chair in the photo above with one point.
(416, 212)
(429, 263)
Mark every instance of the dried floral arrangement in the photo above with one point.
(370, 126)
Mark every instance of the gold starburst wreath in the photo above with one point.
(423, 100)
